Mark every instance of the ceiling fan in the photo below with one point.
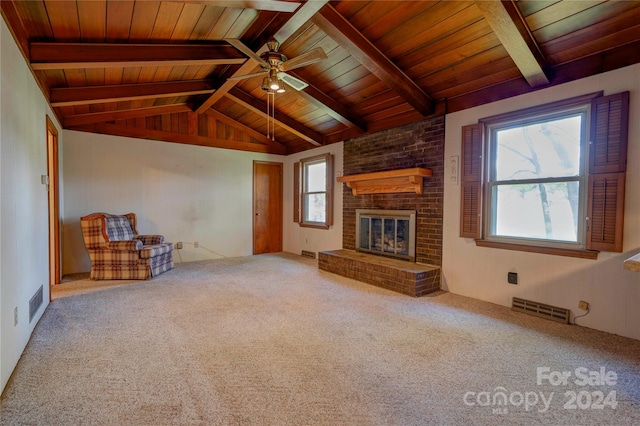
(275, 65)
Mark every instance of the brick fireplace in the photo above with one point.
(418, 145)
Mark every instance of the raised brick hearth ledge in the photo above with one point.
(412, 279)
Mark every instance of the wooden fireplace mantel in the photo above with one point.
(391, 181)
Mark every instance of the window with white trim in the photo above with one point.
(536, 183)
(550, 177)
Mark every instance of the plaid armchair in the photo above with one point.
(117, 252)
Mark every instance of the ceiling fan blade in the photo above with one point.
(245, 49)
(292, 81)
(270, 5)
(242, 77)
(308, 58)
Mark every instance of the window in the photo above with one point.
(313, 180)
(532, 179)
(536, 182)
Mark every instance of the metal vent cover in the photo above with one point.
(35, 303)
(541, 310)
(310, 254)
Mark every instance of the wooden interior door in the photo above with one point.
(267, 207)
(55, 273)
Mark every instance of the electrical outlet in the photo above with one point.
(15, 316)
(583, 305)
(196, 244)
(512, 277)
(178, 245)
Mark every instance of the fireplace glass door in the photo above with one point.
(387, 235)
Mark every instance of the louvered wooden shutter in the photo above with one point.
(608, 139)
(607, 172)
(605, 211)
(471, 178)
(329, 201)
(296, 192)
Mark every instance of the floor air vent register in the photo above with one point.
(541, 310)
(310, 254)
(35, 303)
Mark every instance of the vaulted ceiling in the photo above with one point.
(167, 70)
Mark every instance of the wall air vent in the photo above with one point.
(309, 254)
(541, 310)
(35, 303)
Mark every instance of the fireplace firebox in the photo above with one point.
(387, 232)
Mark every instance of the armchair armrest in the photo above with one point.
(125, 245)
(149, 240)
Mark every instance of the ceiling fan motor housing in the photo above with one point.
(274, 59)
(276, 65)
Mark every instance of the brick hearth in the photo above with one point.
(412, 279)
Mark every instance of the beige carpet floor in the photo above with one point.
(270, 340)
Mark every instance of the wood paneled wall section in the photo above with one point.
(207, 126)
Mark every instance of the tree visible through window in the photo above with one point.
(537, 180)
(548, 179)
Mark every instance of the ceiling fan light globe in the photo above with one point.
(281, 89)
(265, 83)
(274, 85)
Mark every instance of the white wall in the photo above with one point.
(23, 201)
(297, 238)
(186, 193)
(613, 292)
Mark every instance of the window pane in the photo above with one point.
(376, 234)
(544, 211)
(364, 233)
(403, 236)
(545, 149)
(315, 207)
(316, 177)
(389, 242)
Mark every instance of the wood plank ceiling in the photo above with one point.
(160, 69)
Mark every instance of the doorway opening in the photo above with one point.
(55, 273)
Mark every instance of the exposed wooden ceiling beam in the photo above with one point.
(159, 135)
(76, 121)
(332, 108)
(586, 66)
(303, 14)
(247, 130)
(509, 26)
(68, 96)
(340, 30)
(223, 89)
(284, 121)
(271, 5)
(390, 122)
(102, 117)
(47, 56)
